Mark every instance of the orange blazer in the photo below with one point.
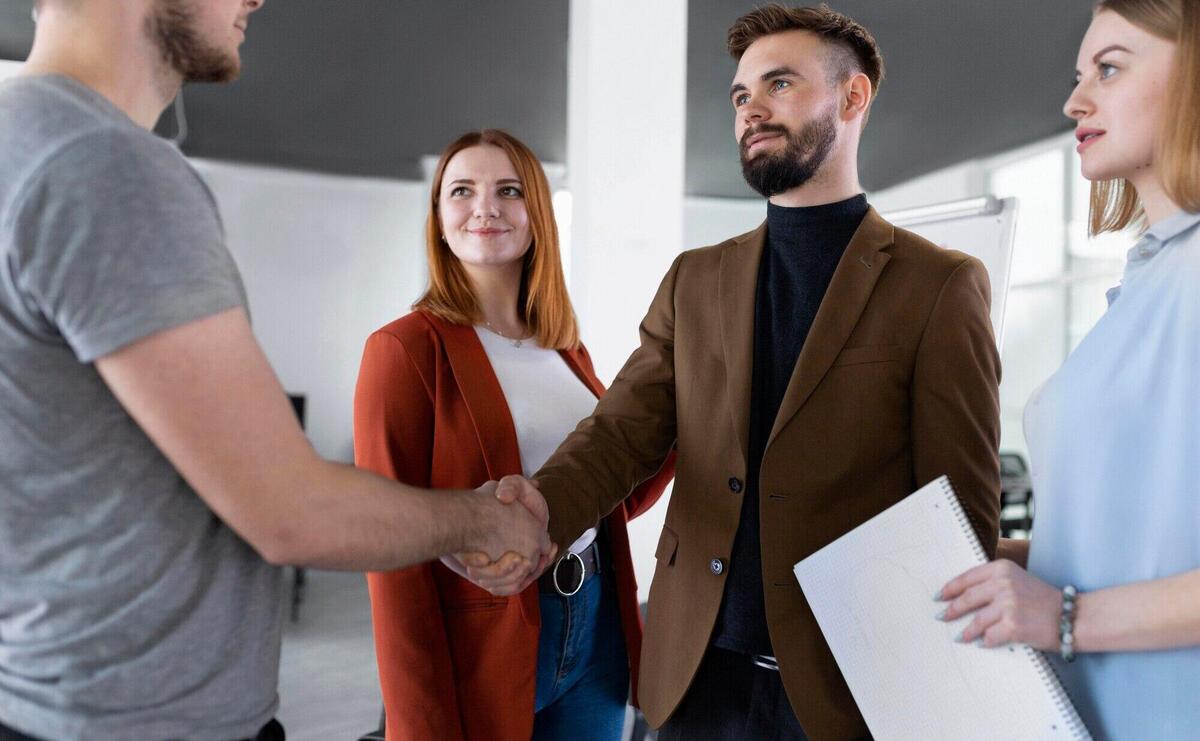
(456, 662)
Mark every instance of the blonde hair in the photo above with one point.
(1114, 203)
(543, 301)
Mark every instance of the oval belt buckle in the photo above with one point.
(554, 574)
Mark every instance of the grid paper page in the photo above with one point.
(872, 592)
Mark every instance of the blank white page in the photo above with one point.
(872, 591)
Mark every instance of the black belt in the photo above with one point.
(569, 573)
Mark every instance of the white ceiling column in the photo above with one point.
(626, 103)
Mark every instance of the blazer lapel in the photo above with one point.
(737, 287)
(483, 397)
(582, 370)
(847, 296)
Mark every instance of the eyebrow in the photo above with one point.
(468, 181)
(1102, 52)
(777, 72)
(1107, 49)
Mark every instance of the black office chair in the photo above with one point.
(377, 734)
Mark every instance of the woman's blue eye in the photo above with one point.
(458, 191)
(511, 190)
(1107, 70)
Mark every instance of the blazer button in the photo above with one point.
(717, 566)
(735, 484)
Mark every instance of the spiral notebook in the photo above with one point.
(872, 591)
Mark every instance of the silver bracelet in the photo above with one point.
(1066, 624)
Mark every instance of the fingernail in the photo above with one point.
(961, 637)
(942, 615)
(938, 597)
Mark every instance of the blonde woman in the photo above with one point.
(1113, 580)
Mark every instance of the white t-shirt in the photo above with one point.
(545, 398)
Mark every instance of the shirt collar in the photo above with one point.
(1153, 241)
(1173, 225)
(1157, 236)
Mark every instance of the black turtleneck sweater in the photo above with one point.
(803, 248)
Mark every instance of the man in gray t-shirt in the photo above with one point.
(109, 237)
(152, 476)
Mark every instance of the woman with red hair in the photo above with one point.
(484, 379)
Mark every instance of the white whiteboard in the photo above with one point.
(982, 228)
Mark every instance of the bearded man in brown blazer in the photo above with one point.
(810, 373)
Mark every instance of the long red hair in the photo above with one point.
(544, 304)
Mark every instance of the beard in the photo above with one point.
(171, 25)
(771, 173)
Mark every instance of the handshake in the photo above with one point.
(507, 543)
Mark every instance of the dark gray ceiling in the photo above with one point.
(368, 87)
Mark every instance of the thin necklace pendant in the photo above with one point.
(515, 341)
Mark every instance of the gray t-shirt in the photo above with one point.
(127, 609)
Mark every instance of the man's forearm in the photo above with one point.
(956, 401)
(1014, 550)
(206, 395)
(589, 476)
(627, 437)
(347, 519)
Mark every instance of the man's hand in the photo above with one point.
(509, 573)
(520, 489)
(512, 539)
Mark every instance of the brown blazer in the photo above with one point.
(454, 661)
(896, 385)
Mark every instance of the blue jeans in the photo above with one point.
(582, 669)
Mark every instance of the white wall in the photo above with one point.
(8, 68)
(965, 180)
(326, 261)
(708, 221)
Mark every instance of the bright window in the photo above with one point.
(1059, 275)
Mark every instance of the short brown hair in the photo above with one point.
(544, 304)
(855, 46)
(1114, 203)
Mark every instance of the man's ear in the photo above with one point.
(856, 97)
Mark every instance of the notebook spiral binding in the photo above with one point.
(1062, 700)
(1045, 669)
(963, 518)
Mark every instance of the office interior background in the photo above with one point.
(320, 157)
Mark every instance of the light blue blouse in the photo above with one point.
(1114, 445)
